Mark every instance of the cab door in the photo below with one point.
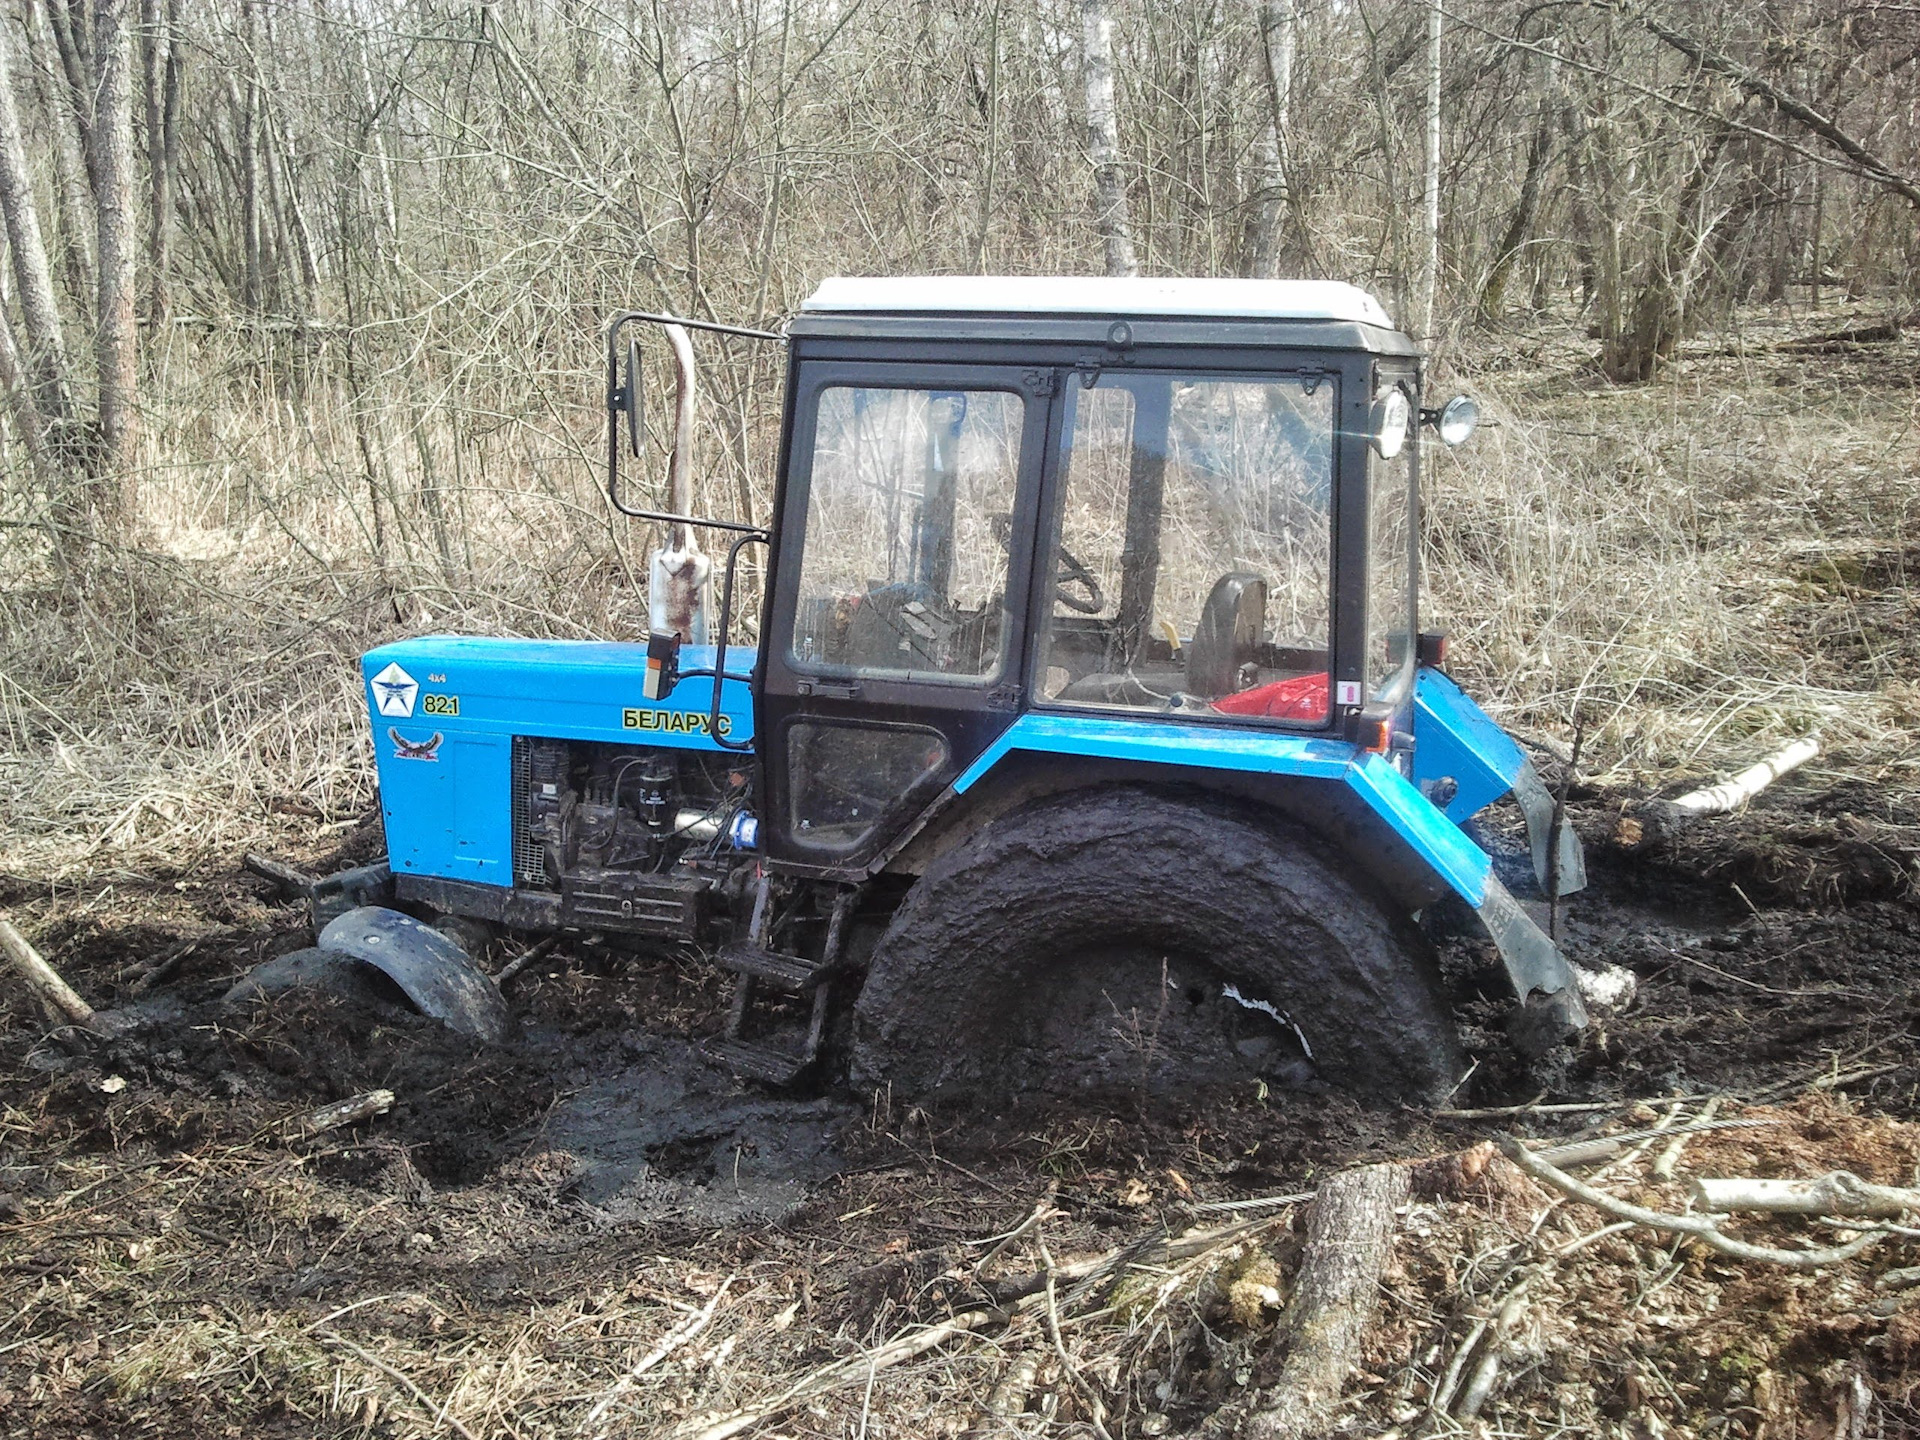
(896, 629)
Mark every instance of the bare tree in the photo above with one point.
(1111, 216)
(1278, 19)
(160, 61)
(1430, 179)
(111, 169)
(44, 348)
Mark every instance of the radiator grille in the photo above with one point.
(529, 857)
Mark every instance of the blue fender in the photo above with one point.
(1431, 838)
(1456, 741)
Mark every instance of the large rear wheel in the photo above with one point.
(1133, 939)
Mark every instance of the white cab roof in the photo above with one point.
(1099, 295)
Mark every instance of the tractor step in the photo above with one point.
(754, 964)
(793, 973)
(753, 1061)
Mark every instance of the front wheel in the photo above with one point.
(1135, 939)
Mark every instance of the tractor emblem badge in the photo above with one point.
(393, 692)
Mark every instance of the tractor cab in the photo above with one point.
(1187, 502)
(1087, 643)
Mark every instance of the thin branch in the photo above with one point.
(1701, 1227)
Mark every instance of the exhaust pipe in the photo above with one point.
(679, 579)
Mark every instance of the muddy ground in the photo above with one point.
(591, 1232)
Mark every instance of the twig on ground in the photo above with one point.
(1670, 1157)
(670, 1342)
(1096, 1409)
(1700, 1227)
(350, 1111)
(1606, 1147)
(1042, 1211)
(439, 1412)
(852, 1371)
(290, 879)
(525, 958)
(161, 968)
(1488, 1370)
(44, 980)
(1585, 1107)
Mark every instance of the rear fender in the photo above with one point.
(1377, 816)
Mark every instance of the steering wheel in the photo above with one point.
(1073, 571)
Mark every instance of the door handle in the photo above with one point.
(826, 690)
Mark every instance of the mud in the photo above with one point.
(148, 1179)
(668, 1136)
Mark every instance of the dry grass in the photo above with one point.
(1700, 568)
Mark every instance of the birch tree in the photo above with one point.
(1112, 217)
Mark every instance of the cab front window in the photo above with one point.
(1191, 565)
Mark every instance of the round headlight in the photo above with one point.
(1459, 418)
(1392, 417)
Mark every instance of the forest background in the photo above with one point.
(303, 306)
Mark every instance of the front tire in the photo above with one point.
(1086, 942)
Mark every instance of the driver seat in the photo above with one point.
(1232, 625)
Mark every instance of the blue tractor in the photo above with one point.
(1089, 737)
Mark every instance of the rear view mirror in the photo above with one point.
(636, 412)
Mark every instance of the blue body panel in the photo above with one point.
(1455, 737)
(445, 710)
(1463, 865)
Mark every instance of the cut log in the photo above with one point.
(1720, 799)
(1349, 1236)
(44, 980)
(350, 1111)
(1838, 1193)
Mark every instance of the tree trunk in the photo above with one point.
(1349, 1236)
(1278, 19)
(68, 105)
(28, 424)
(1644, 339)
(247, 141)
(1111, 218)
(1526, 212)
(112, 172)
(44, 361)
(160, 86)
(1430, 187)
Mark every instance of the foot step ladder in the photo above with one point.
(755, 964)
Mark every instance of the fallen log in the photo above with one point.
(1724, 798)
(44, 980)
(1349, 1236)
(1838, 1193)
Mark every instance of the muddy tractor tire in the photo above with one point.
(1138, 940)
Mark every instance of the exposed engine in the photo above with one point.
(633, 838)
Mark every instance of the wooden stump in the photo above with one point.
(1349, 1236)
